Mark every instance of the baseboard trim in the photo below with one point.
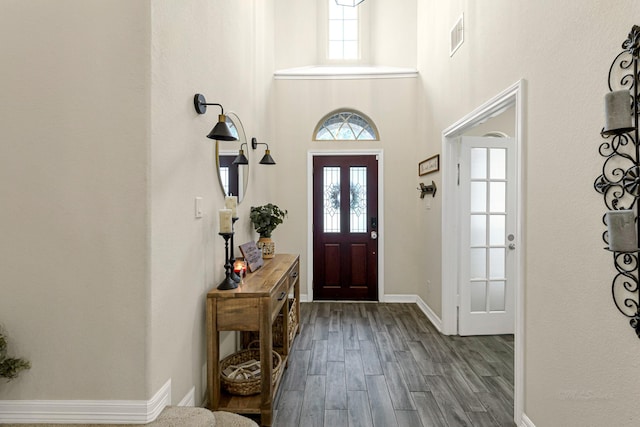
(189, 399)
(431, 315)
(393, 298)
(415, 299)
(85, 411)
(526, 422)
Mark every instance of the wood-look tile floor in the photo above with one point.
(385, 365)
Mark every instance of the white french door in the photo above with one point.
(488, 241)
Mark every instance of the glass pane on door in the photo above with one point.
(478, 261)
(498, 196)
(358, 199)
(478, 197)
(497, 263)
(331, 182)
(497, 295)
(478, 163)
(497, 227)
(478, 230)
(498, 162)
(478, 296)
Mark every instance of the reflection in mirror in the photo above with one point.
(233, 178)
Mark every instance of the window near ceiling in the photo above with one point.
(343, 32)
(345, 125)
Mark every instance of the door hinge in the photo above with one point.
(458, 174)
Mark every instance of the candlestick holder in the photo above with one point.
(619, 182)
(232, 259)
(228, 282)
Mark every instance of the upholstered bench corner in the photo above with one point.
(189, 416)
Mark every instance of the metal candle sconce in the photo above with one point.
(228, 282)
(227, 219)
(619, 182)
(427, 189)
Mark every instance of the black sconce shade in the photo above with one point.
(266, 159)
(220, 131)
(241, 159)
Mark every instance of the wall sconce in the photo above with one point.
(220, 131)
(241, 159)
(266, 159)
(427, 189)
(619, 183)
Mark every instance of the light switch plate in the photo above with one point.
(198, 206)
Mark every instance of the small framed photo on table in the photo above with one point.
(432, 164)
(252, 256)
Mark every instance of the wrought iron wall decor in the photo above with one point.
(427, 189)
(619, 182)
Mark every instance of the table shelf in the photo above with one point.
(269, 295)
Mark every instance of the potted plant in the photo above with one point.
(265, 219)
(10, 367)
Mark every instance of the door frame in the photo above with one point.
(512, 96)
(380, 260)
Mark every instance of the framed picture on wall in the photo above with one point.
(432, 164)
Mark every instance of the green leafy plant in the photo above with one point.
(266, 218)
(10, 367)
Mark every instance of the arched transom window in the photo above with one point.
(345, 125)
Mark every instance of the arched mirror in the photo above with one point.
(233, 178)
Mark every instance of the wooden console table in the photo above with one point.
(271, 291)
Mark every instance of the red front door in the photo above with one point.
(345, 226)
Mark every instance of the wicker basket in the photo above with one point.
(278, 328)
(246, 387)
(293, 320)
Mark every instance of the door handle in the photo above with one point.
(374, 235)
(512, 246)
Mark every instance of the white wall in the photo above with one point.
(580, 354)
(104, 267)
(73, 183)
(393, 32)
(390, 103)
(391, 29)
(217, 49)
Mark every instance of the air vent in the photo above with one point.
(457, 35)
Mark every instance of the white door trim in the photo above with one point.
(512, 96)
(364, 152)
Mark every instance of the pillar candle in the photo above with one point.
(225, 220)
(231, 202)
(617, 108)
(621, 228)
